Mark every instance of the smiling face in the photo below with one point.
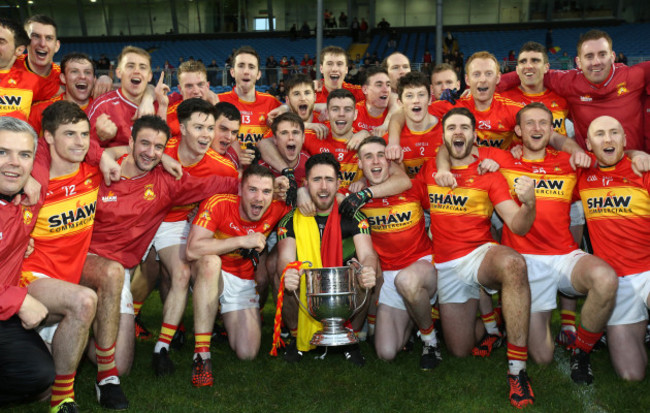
(289, 139)
(531, 68)
(459, 136)
(377, 90)
(334, 69)
(8, 50)
(482, 78)
(535, 129)
(193, 85)
(70, 142)
(373, 162)
(596, 59)
(256, 197)
(301, 99)
(198, 133)
(135, 72)
(43, 44)
(322, 184)
(342, 113)
(226, 131)
(606, 139)
(16, 160)
(147, 148)
(79, 80)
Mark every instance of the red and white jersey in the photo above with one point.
(621, 96)
(253, 114)
(220, 214)
(617, 210)
(397, 227)
(65, 224)
(211, 164)
(121, 111)
(16, 224)
(130, 211)
(299, 172)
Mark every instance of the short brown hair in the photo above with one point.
(533, 105)
(534, 47)
(288, 117)
(335, 50)
(482, 55)
(133, 49)
(594, 35)
(245, 50)
(191, 66)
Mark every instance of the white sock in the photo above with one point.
(515, 366)
(159, 346)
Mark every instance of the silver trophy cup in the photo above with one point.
(331, 299)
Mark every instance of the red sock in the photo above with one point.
(568, 318)
(105, 362)
(586, 340)
(137, 305)
(516, 352)
(202, 342)
(63, 388)
(167, 333)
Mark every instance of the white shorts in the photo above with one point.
(388, 295)
(170, 234)
(631, 299)
(577, 214)
(549, 273)
(126, 301)
(458, 279)
(238, 294)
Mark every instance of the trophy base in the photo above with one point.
(341, 338)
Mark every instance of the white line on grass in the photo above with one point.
(586, 394)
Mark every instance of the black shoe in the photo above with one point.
(110, 394)
(178, 341)
(292, 354)
(66, 406)
(430, 358)
(219, 334)
(600, 344)
(353, 354)
(162, 364)
(408, 347)
(581, 367)
(141, 331)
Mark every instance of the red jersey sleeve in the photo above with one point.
(194, 189)
(508, 81)
(11, 299)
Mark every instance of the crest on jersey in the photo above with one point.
(11, 81)
(27, 216)
(621, 89)
(88, 182)
(265, 226)
(149, 194)
(554, 104)
(364, 224)
(281, 231)
(262, 118)
(205, 215)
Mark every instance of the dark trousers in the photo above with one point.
(26, 367)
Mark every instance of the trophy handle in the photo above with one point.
(295, 294)
(357, 270)
(356, 310)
